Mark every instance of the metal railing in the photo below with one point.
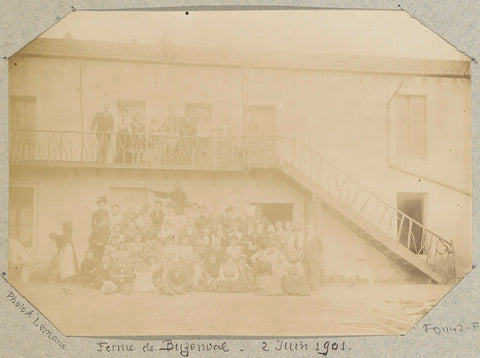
(437, 252)
(150, 151)
(125, 150)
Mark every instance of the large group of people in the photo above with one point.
(187, 140)
(180, 246)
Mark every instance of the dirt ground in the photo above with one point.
(335, 310)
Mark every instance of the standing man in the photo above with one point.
(313, 259)
(178, 196)
(99, 214)
(103, 126)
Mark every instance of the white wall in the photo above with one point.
(343, 116)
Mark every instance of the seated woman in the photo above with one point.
(121, 253)
(179, 277)
(169, 252)
(111, 246)
(185, 251)
(130, 232)
(100, 274)
(250, 243)
(87, 270)
(269, 269)
(228, 276)
(160, 281)
(143, 278)
(234, 250)
(203, 243)
(117, 234)
(123, 277)
(210, 271)
(136, 247)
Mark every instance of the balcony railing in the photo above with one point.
(126, 150)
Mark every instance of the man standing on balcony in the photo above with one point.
(103, 126)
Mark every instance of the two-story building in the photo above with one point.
(373, 150)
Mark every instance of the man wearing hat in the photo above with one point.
(178, 197)
(99, 214)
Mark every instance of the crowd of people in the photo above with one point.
(175, 140)
(180, 246)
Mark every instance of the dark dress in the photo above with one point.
(313, 262)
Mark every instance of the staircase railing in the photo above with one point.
(399, 227)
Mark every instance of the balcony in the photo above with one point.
(139, 151)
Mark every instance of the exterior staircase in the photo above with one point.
(362, 211)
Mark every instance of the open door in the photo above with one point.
(412, 205)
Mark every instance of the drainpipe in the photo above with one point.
(82, 126)
(388, 120)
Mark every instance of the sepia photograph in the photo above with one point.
(238, 173)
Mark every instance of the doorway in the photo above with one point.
(412, 205)
(276, 211)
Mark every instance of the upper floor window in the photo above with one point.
(22, 112)
(411, 127)
(131, 113)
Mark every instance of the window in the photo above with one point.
(203, 113)
(126, 197)
(260, 121)
(22, 112)
(132, 108)
(411, 126)
(20, 215)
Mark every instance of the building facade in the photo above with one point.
(367, 149)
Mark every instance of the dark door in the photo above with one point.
(276, 211)
(412, 205)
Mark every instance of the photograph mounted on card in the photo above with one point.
(238, 173)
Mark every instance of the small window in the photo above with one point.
(260, 121)
(20, 215)
(126, 197)
(22, 112)
(411, 126)
(132, 108)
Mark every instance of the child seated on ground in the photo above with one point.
(87, 270)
